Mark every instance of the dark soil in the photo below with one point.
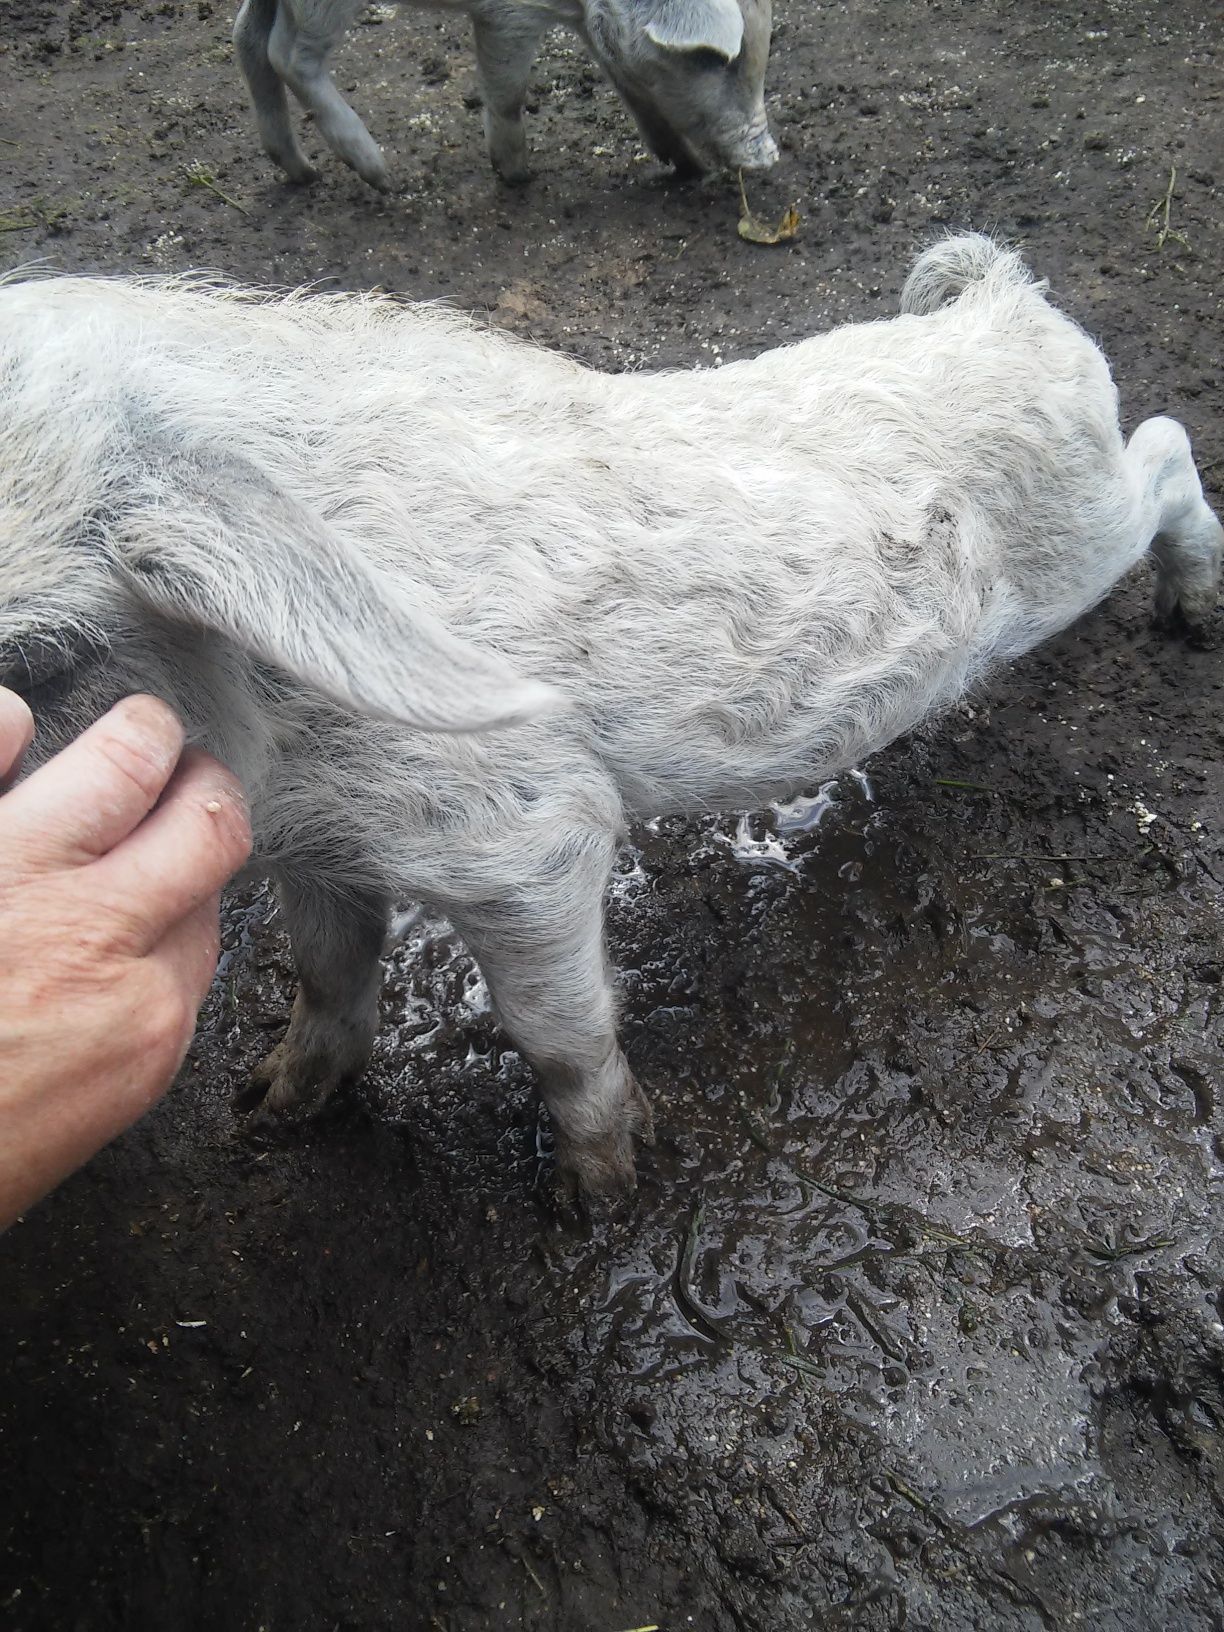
(916, 1320)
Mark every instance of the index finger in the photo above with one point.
(80, 804)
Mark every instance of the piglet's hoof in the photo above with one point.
(1201, 630)
(601, 1164)
(575, 1206)
(286, 1084)
(300, 174)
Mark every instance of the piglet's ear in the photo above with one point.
(698, 25)
(213, 544)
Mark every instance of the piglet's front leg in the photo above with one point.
(538, 938)
(506, 46)
(337, 942)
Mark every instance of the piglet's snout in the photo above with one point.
(755, 150)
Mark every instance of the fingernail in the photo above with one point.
(153, 726)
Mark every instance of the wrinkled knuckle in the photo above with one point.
(84, 967)
(167, 1019)
(104, 928)
(98, 937)
(141, 743)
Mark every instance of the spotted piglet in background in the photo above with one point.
(692, 72)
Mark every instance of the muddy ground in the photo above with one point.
(916, 1320)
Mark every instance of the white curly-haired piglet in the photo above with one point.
(334, 530)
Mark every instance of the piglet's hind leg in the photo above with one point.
(540, 946)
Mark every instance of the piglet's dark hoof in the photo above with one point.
(1206, 634)
(248, 1099)
(1201, 634)
(284, 1093)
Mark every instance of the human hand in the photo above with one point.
(112, 858)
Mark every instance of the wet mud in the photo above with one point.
(916, 1319)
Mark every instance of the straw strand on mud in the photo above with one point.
(1158, 217)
